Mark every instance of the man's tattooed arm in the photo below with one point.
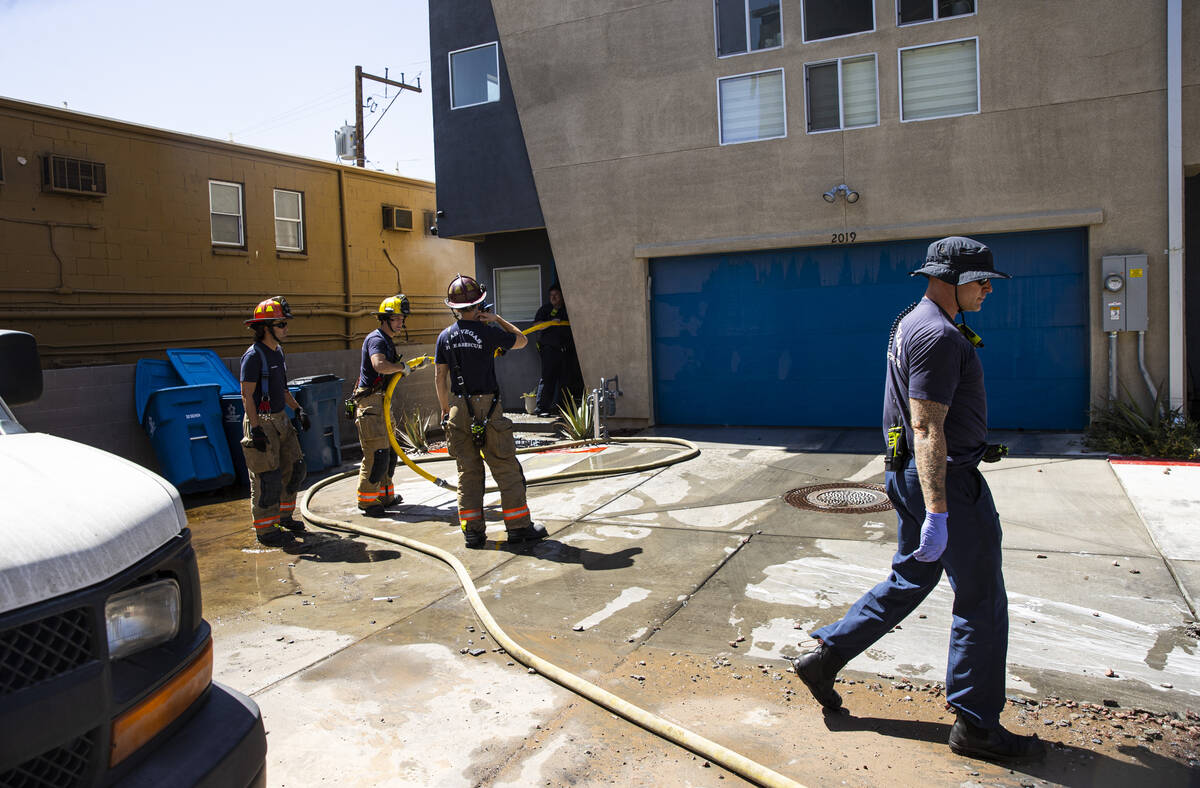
(928, 422)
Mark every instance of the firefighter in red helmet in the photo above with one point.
(476, 428)
(272, 448)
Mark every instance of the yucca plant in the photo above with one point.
(575, 420)
(1121, 427)
(414, 428)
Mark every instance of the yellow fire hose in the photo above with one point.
(735, 762)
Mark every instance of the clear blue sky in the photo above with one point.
(275, 75)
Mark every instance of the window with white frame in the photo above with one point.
(289, 221)
(518, 292)
(842, 94)
(834, 18)
(750, 107)
(747, 26)
(939, 80)
(226, 212)
(474, 76)
(910, 12)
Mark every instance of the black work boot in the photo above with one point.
(475, 539)
(274, 537)
(292, 524)
(817, 669)
(374, 510)
(993, 744)
(530, 533)
(395, 499)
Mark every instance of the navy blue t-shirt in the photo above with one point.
(554, 336)
(474, 344)
(276, 379)
(930, 359)
(376, 342)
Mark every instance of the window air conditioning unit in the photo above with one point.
(397, 218)
(73, 176)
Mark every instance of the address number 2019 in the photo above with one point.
(844, 238)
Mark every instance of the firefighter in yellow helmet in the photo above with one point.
(269, 441)
(476, 428)
(380, 361)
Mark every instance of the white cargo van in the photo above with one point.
(105, 661)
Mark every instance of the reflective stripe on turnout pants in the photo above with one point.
(499, 451)
(975, 668)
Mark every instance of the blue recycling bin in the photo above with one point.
(184, 425)
(321, 397)
(232, 412)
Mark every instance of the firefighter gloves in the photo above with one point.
(259, 438)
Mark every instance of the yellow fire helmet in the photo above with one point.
(394, 305)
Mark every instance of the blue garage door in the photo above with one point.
(797, 336)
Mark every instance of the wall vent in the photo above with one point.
(397, 218)
(73, 176)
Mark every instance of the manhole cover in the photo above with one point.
(840, 498)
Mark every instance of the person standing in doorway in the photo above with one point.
(477, 430)
(556, 347)
(935, 402)
(269, 441)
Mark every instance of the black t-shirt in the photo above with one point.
(376, 342)
(473, 344)
(554, 336)
(276, 379)
(930, 359)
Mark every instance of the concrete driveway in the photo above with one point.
(684, 589)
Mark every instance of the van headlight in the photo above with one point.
(141, 617)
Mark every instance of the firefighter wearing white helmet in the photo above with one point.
(274, 459)
(380, 361)
(476, 428)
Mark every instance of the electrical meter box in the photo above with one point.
(1124, 294)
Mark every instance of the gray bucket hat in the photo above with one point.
(957, 260)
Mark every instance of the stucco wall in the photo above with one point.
(619, 111)
(114, 278)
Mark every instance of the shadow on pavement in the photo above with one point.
(552, 550)
(1063, 764)
(328, 548)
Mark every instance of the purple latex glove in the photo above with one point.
(933, 537)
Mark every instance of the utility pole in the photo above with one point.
(360, 149)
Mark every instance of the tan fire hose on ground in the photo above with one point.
(735, 762)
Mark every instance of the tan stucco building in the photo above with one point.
(118, 240)
(682, 161)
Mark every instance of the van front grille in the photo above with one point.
(41, 650)
(63, 767)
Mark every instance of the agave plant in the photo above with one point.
(1121, 427)
(575, 420)
(413, 429)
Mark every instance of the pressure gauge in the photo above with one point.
(1114, 282)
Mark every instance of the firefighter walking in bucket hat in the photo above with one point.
(935, 428)
(273, 457)
(477, 430)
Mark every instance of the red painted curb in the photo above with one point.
(1143, 461)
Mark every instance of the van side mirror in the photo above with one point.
(20, 367)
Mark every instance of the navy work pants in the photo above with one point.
(554, 378)
(975, 669)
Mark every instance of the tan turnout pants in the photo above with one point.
(379, 461)
(275, 474)
(499, 452)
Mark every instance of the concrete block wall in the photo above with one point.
(95, 405)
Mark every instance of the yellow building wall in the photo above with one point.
(102, 280)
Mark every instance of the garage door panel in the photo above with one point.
(797, 337)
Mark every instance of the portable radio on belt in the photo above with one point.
(896, 456)
(478, 433)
